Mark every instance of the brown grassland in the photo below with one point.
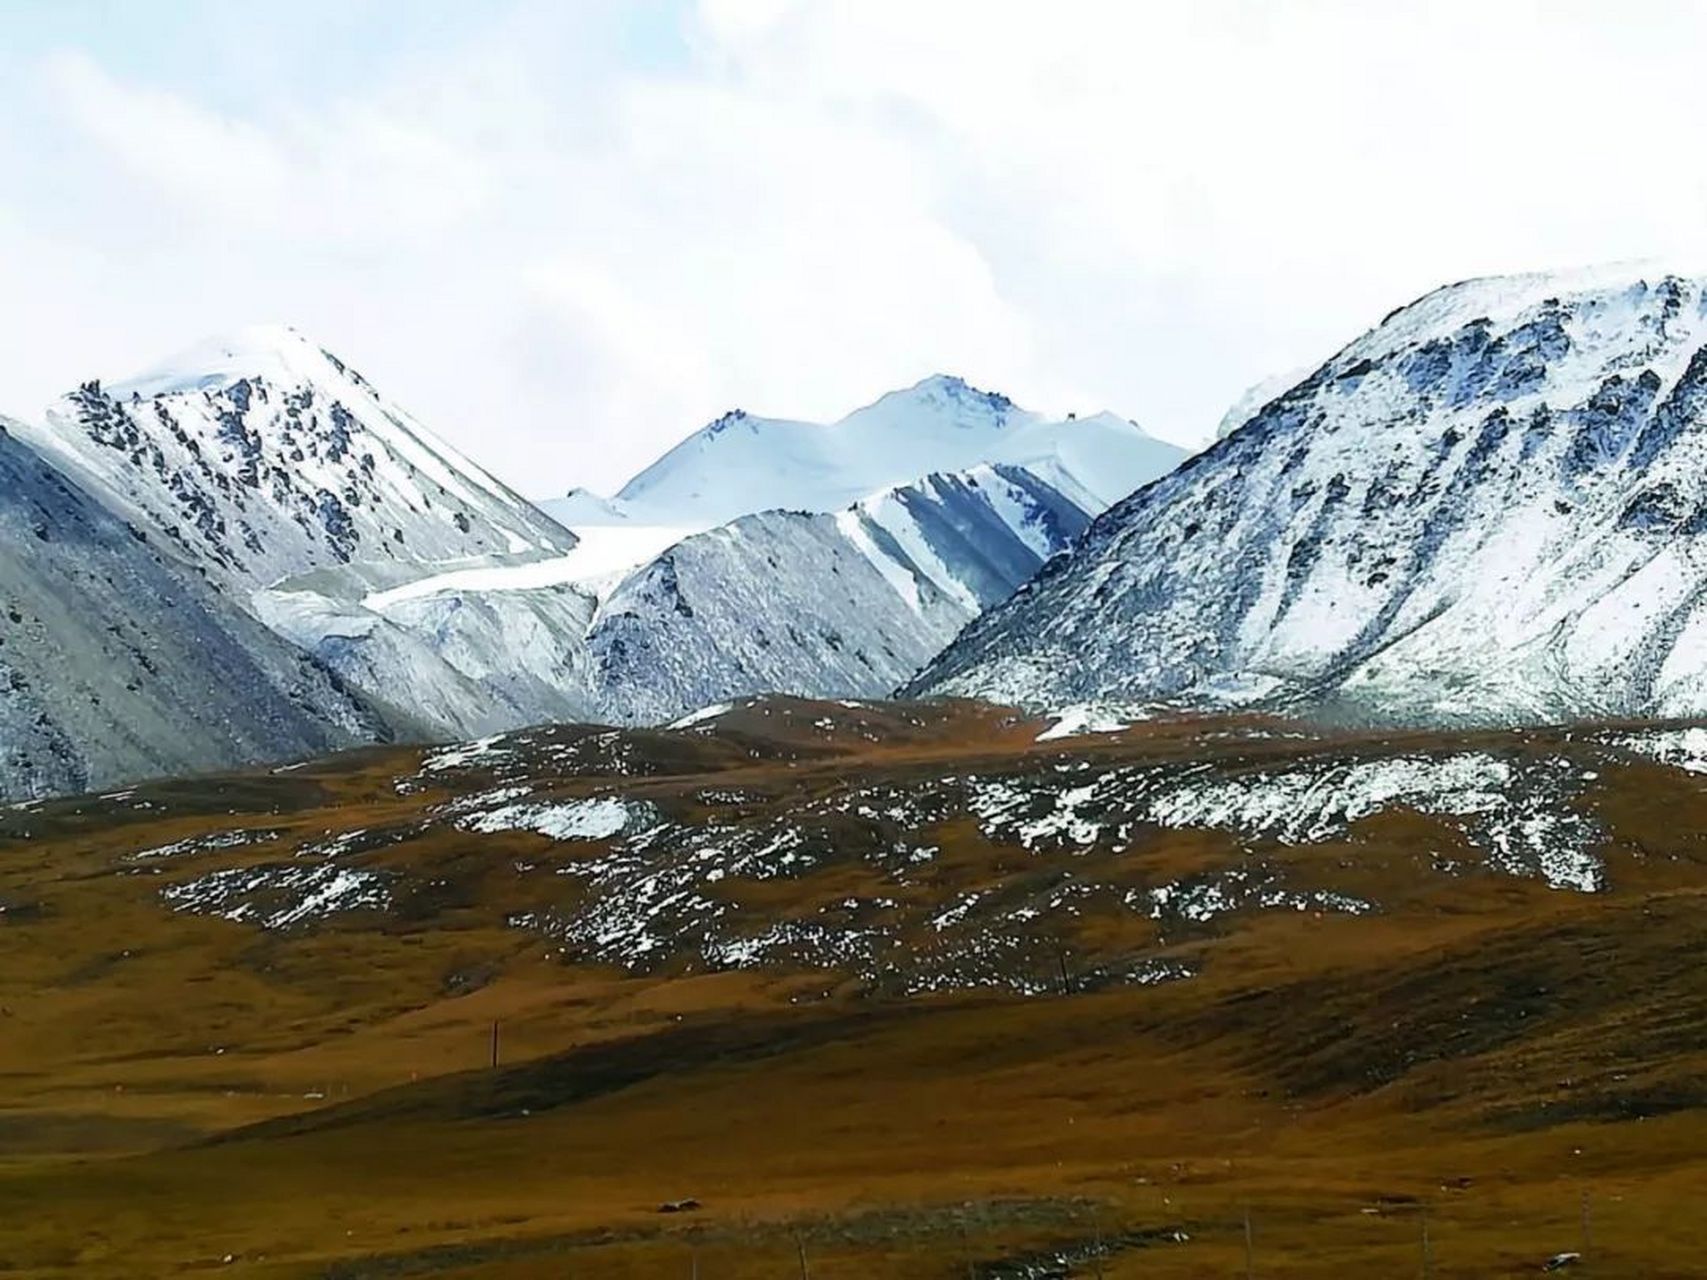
(1503, 1070)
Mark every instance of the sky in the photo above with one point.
(566, 235)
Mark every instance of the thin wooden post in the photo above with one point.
(693, 1263)
(494, 1043)
(805, 1271)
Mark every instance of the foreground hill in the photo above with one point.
(1488, 509)
(117, 662)
(911, 990)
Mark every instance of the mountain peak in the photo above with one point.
(1478, 511)
(949, 400)
(275, 353)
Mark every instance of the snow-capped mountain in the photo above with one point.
(742, 464)
(117, 663)
(259, 456)
(837, 605)
(1488, 508)
(652, 615)
(640, 624)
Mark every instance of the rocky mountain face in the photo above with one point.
(258, 456)
(844, 604)
(1489, 508)
(836, 604)
(116, 662)
(272, 472)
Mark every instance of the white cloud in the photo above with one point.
(565, 255)
(346, 175)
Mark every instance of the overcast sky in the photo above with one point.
(567, 234)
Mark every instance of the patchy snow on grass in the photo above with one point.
(597, 818)
(1519, 812)
(1684, 749)
(204, 844)
(277, 897)
(461, 755)
(1091, 717)
(703, 716)
(1202, 898)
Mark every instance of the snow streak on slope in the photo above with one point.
(742, 464)
(1489, 508)
(847, 604)
(116, 663)
(259, 456)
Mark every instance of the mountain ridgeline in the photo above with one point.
(259, 455)
(1487, 509)
(271, 527)
(656, 615)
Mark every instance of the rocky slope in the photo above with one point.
(258, 455)
(843, 604)
(1489, 508)
(116, 662)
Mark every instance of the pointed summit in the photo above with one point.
(275, 353)
(259, 456)
(946, 399)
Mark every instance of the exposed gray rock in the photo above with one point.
(117, 662)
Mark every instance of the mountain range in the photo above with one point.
(420, 597)
(738, 564)
(1485, 510)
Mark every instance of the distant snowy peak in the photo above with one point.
(945, 401)
(580, 507)
(742, 463)
(259, 455)
(274, 353)
(1490, 507)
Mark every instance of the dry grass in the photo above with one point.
(177, 1090)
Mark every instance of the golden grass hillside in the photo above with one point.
(888, 990)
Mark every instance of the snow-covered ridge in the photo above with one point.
(259, 456)
(741, 463)
(643, 621)
(1486, 509)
